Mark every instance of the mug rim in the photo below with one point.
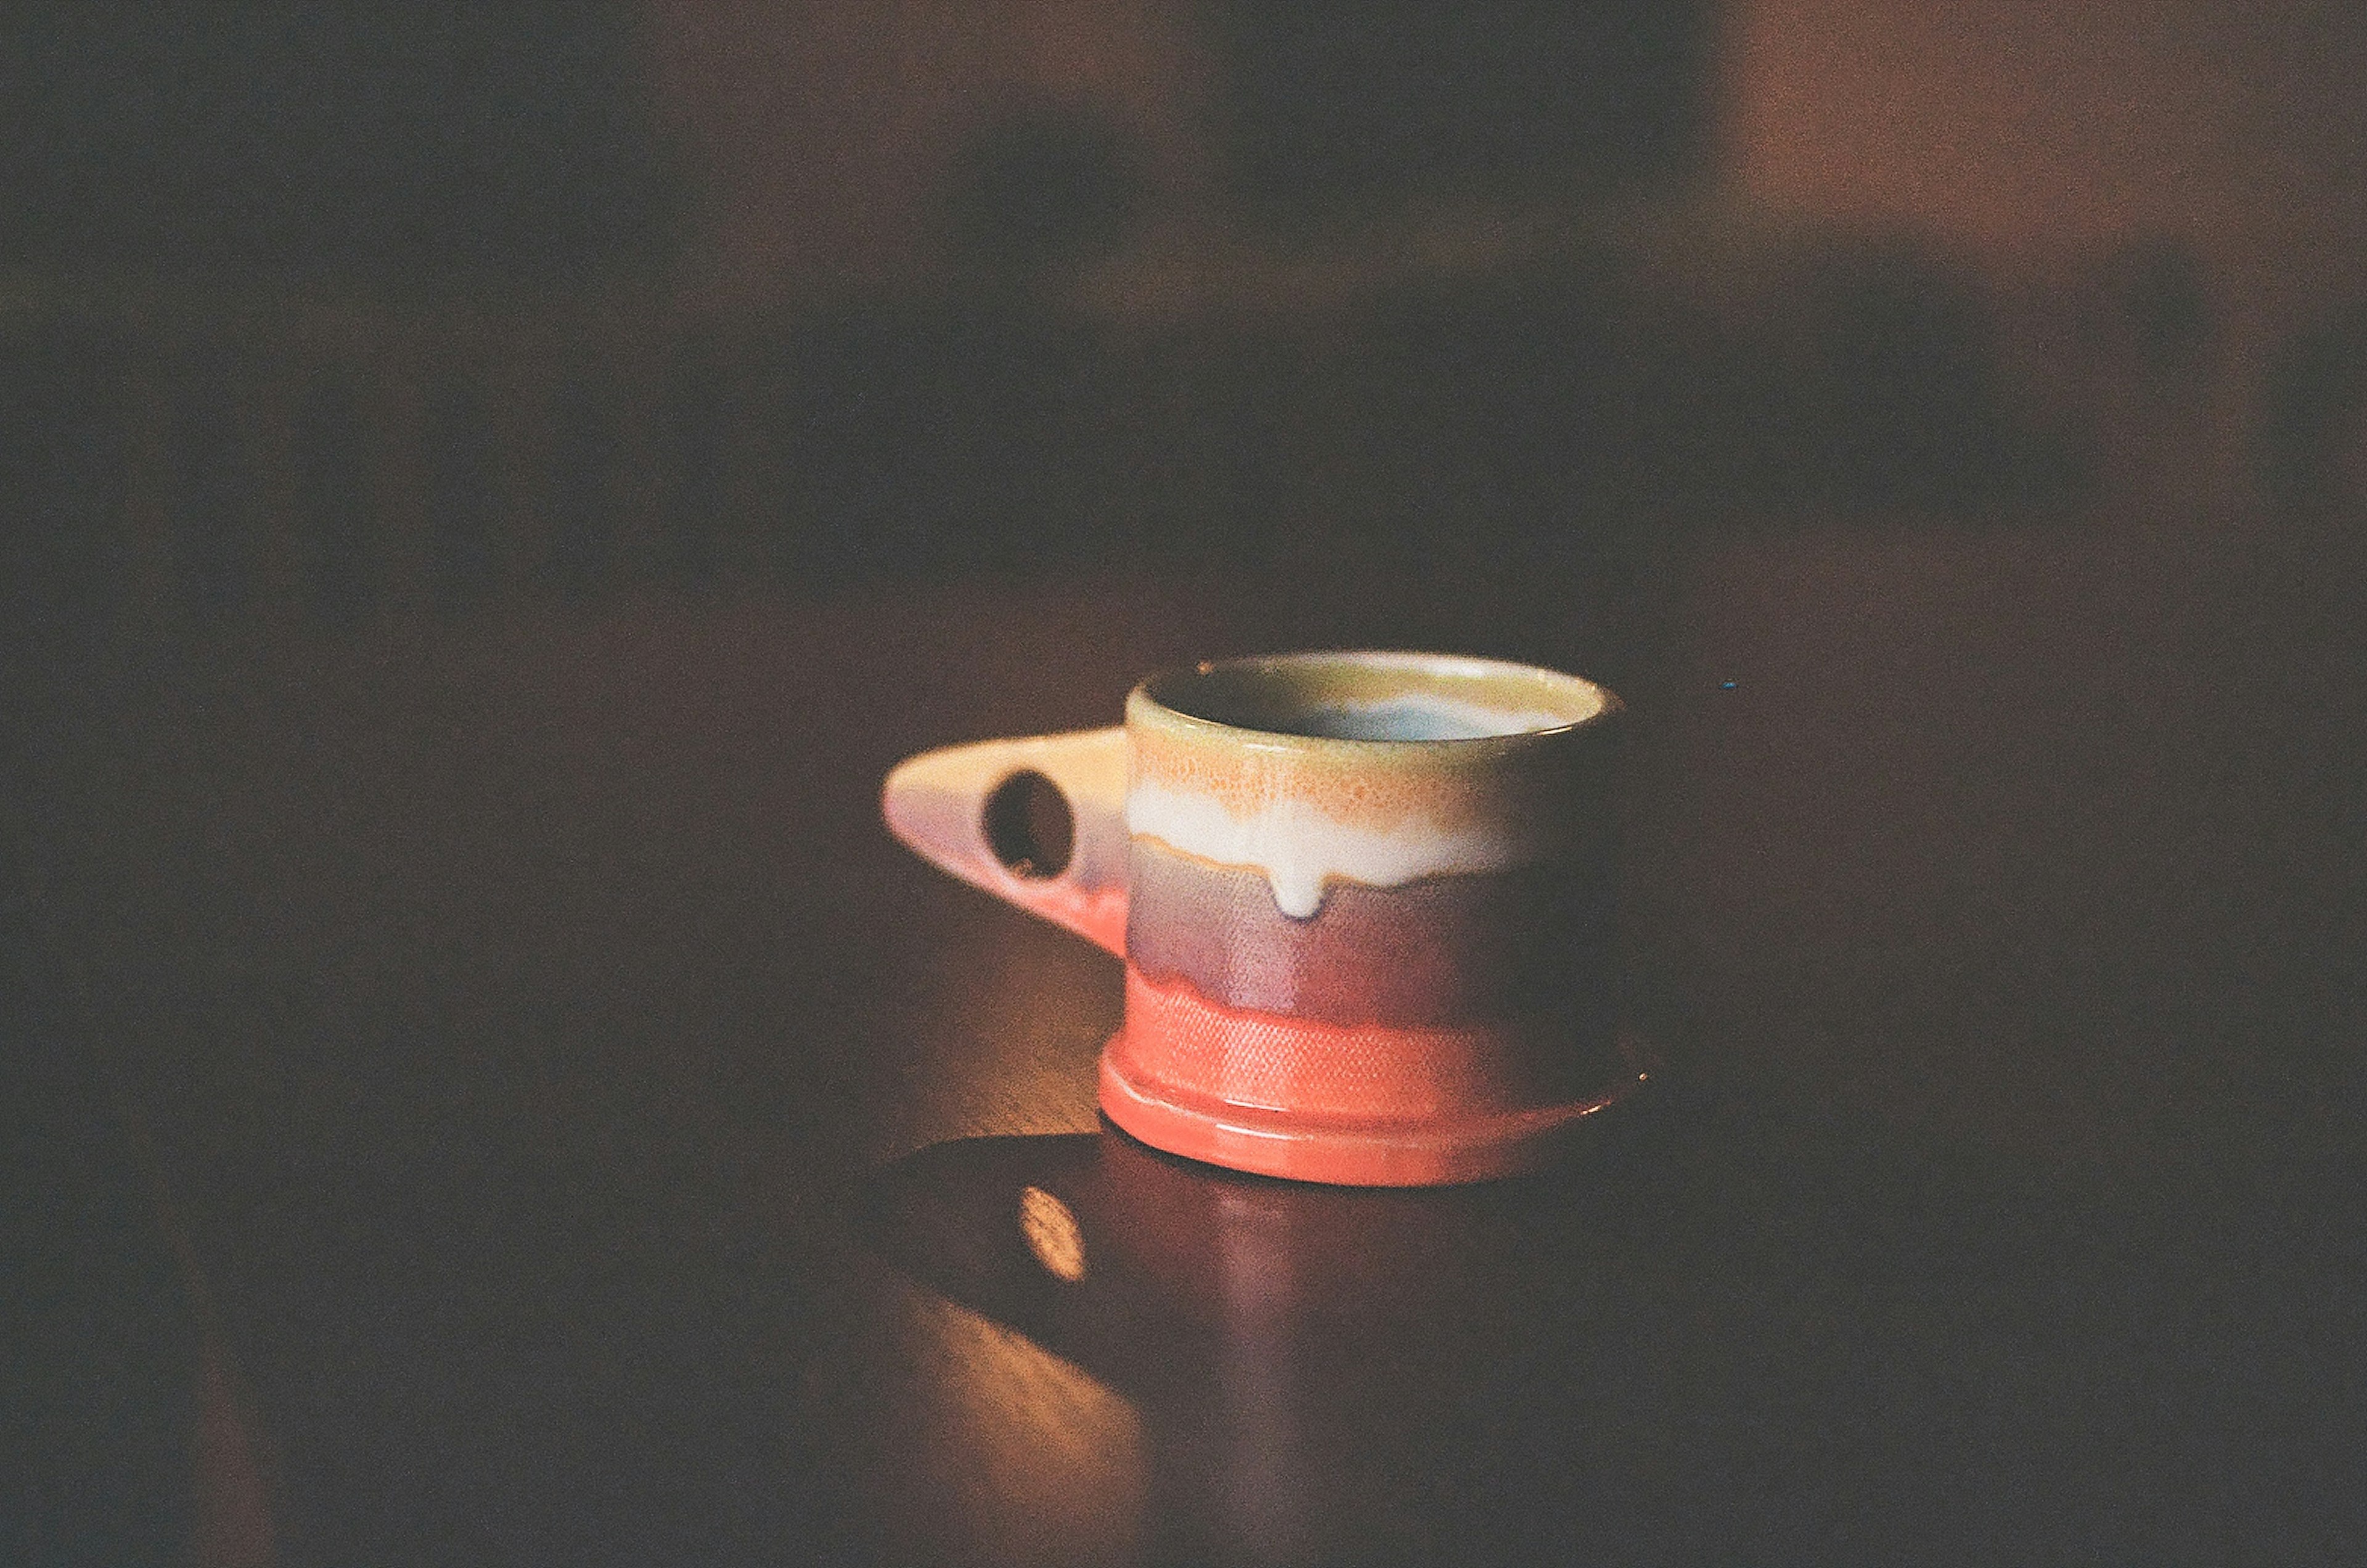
(1151, 700)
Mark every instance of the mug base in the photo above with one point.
(1436, 1152)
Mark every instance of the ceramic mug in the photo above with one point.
(1365, 901)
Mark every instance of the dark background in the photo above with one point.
(485, 495)
(361, 306)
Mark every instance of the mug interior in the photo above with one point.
(1379, 697)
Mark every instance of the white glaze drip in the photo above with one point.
(1299, 849)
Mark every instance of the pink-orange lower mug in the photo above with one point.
(1365, 901)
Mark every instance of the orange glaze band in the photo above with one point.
(1364, 1104)
(1202, 1050)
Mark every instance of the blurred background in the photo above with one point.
(340, 310)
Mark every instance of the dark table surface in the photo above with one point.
(492, 1092)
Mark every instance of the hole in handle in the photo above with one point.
(1029, 826)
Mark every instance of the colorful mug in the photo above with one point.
(1365, 901)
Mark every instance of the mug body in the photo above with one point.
(1369, 916)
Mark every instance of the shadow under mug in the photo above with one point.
(1365, 901)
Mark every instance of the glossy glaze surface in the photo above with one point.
(1367, 905)
(1369, 927)
(1442, 949)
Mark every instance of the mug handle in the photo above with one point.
(965, 809)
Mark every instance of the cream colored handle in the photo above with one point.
(937, 802)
